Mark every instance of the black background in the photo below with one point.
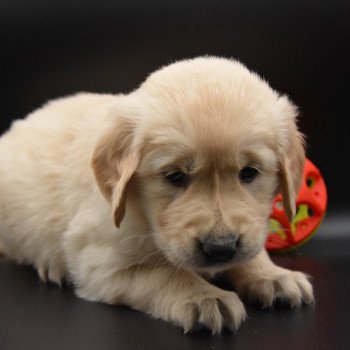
(52, 48)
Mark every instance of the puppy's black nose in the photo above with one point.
(218, 249)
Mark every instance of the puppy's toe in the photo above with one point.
(210, 315)
(53, 274)
(232, 311)
(42, 272)
(290, 287)
(215, 311)
(185, 315)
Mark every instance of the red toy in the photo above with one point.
(311, 207)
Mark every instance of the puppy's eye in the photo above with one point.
(178, 179)
(248, 174)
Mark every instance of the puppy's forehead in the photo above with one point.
(206, 148)
(212, 108)
(206, 94)
(214, 80)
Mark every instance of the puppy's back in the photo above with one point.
(44, 166)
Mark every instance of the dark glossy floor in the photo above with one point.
(37, 316)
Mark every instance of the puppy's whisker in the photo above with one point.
(142, 259)
(175, 265)
(159, 261)
(283, 252)
(140, 263)
(141, 236)
(179, 266)
(292, 248)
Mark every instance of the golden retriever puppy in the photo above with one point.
(135, 198)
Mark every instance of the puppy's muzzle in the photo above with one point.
(218, 249)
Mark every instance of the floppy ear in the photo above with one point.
(114, 162)
(291, 169)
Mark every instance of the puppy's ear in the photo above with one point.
(114, 162)
(291, 169)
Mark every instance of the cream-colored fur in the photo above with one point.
(84, 194)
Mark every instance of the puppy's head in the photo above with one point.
(209, 144)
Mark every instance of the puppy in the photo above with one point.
(134, 198)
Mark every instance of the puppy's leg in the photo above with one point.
(175, 295)
(261, 280)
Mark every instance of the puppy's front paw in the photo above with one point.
(288, 286)
(215, 309)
